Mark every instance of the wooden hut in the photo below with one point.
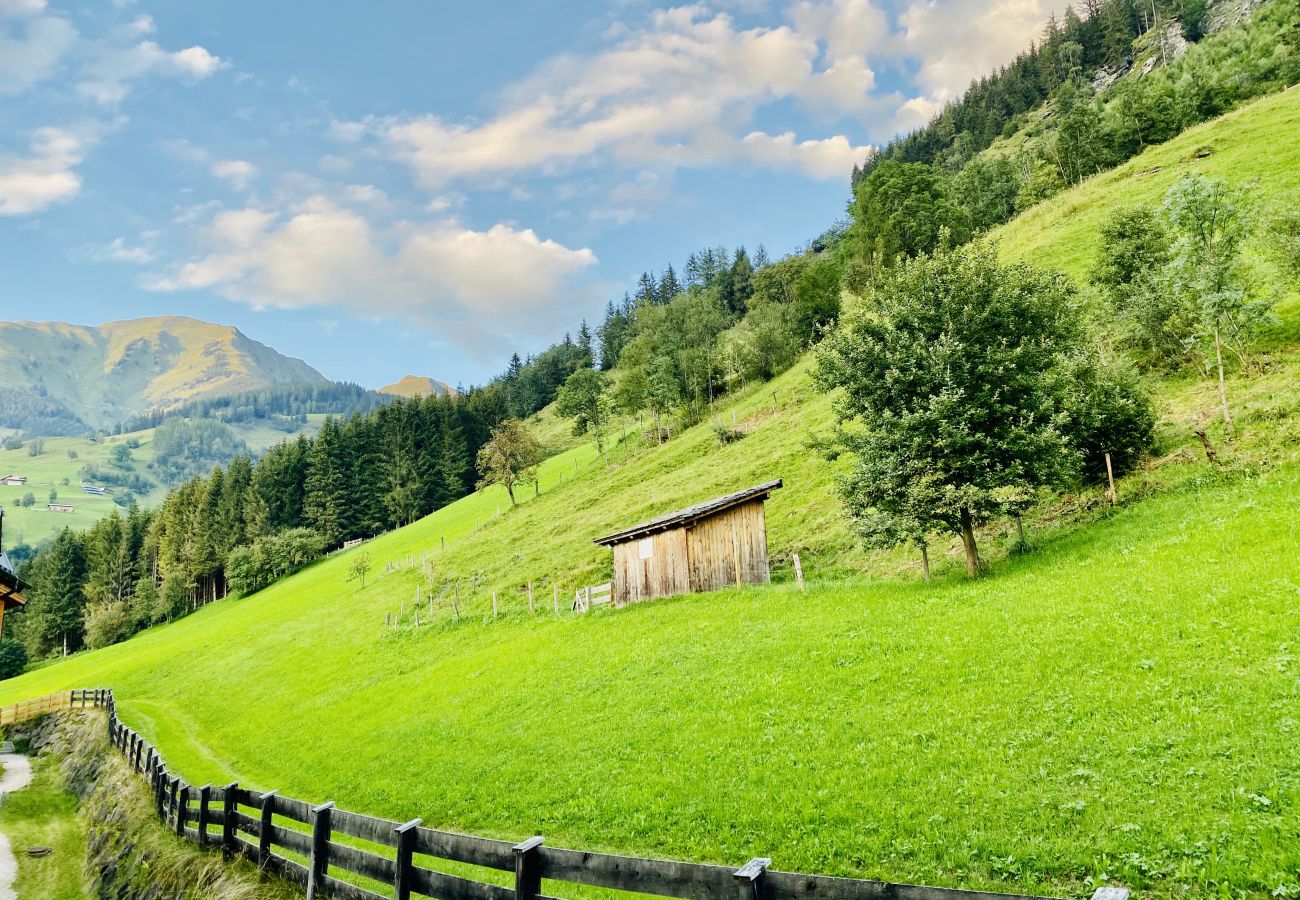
(703, 547)
(11, 587)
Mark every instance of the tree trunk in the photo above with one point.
(510, 489)
(925, 562)
(1020, 531)
(1223, 387)
(973, 564)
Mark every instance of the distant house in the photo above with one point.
(91, 489)
(703, 547)
(61, 507)
(15, 480)
(11, 587)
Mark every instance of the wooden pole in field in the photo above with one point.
(531, 611)
(1110, 479)
(444, 543)
(555, 589)
(494, 604)
(455, 603)
(798, 572)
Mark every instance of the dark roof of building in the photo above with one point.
(10, 585)
(690, 514)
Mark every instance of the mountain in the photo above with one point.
(67, 379)
(418, 386)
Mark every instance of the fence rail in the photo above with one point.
(261, 827)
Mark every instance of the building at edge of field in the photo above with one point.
(710, 545)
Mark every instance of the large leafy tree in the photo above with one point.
(510, 457)
(901, 209)
(948, 393)
(584, 398)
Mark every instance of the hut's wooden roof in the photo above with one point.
(690, 514)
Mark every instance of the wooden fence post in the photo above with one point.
(555, 590)
(531, 611)
(1110, 480)
(264, 829)
(228, 820)
(528, 874)
(205, 797)
(494, 604)
(403, 876)
(180, 800)
(798, 572)
(320, 848)
(750, 878)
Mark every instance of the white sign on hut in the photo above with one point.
(703, 547)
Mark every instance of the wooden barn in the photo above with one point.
(703, 547)
(11, 587)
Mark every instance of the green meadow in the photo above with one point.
(1118, 705)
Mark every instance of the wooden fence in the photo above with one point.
(299, 841)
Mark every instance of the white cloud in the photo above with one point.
(504, 283)
(21, 7)
(32, 51)
(676, 91)
(238, 173)
(107, 78)
(956, 41)
(45, 176)
(118, 250)
(829, 158)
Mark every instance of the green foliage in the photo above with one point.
(1108, 410)
(510, 456)
(35, 447)
(13, 659)
(584, 397)
(254, 566)
(359, 568)
(948, 389)
(120, 456)
(184, 448)
(900, 209)
(52, 618)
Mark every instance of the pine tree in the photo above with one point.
(326, 488)
(669, 287)
(586, 357)
(646, 292)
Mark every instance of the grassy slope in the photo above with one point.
(1118, 704)
(35, 524)
(44, 815)
(47, 471)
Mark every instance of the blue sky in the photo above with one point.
(426, 187)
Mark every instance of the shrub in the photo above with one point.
(13, 659)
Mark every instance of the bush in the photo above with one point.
(13, 659)
(108, 623)
(1108, 410)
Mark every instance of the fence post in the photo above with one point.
(175, 784)
(555, 592)
(1110, 893)
(182, 793)
(320, 848)
(531, 611)
(264, 830)
(798, 571)
(403, 881)
(749, 877)
(228, 823)
(528, 874)
(205, 797)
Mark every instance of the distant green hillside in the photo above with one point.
(67, 379)
(56, 470)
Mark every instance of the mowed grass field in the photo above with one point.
(1119, 705)
(48, 472)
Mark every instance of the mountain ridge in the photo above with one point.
(63, 378)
